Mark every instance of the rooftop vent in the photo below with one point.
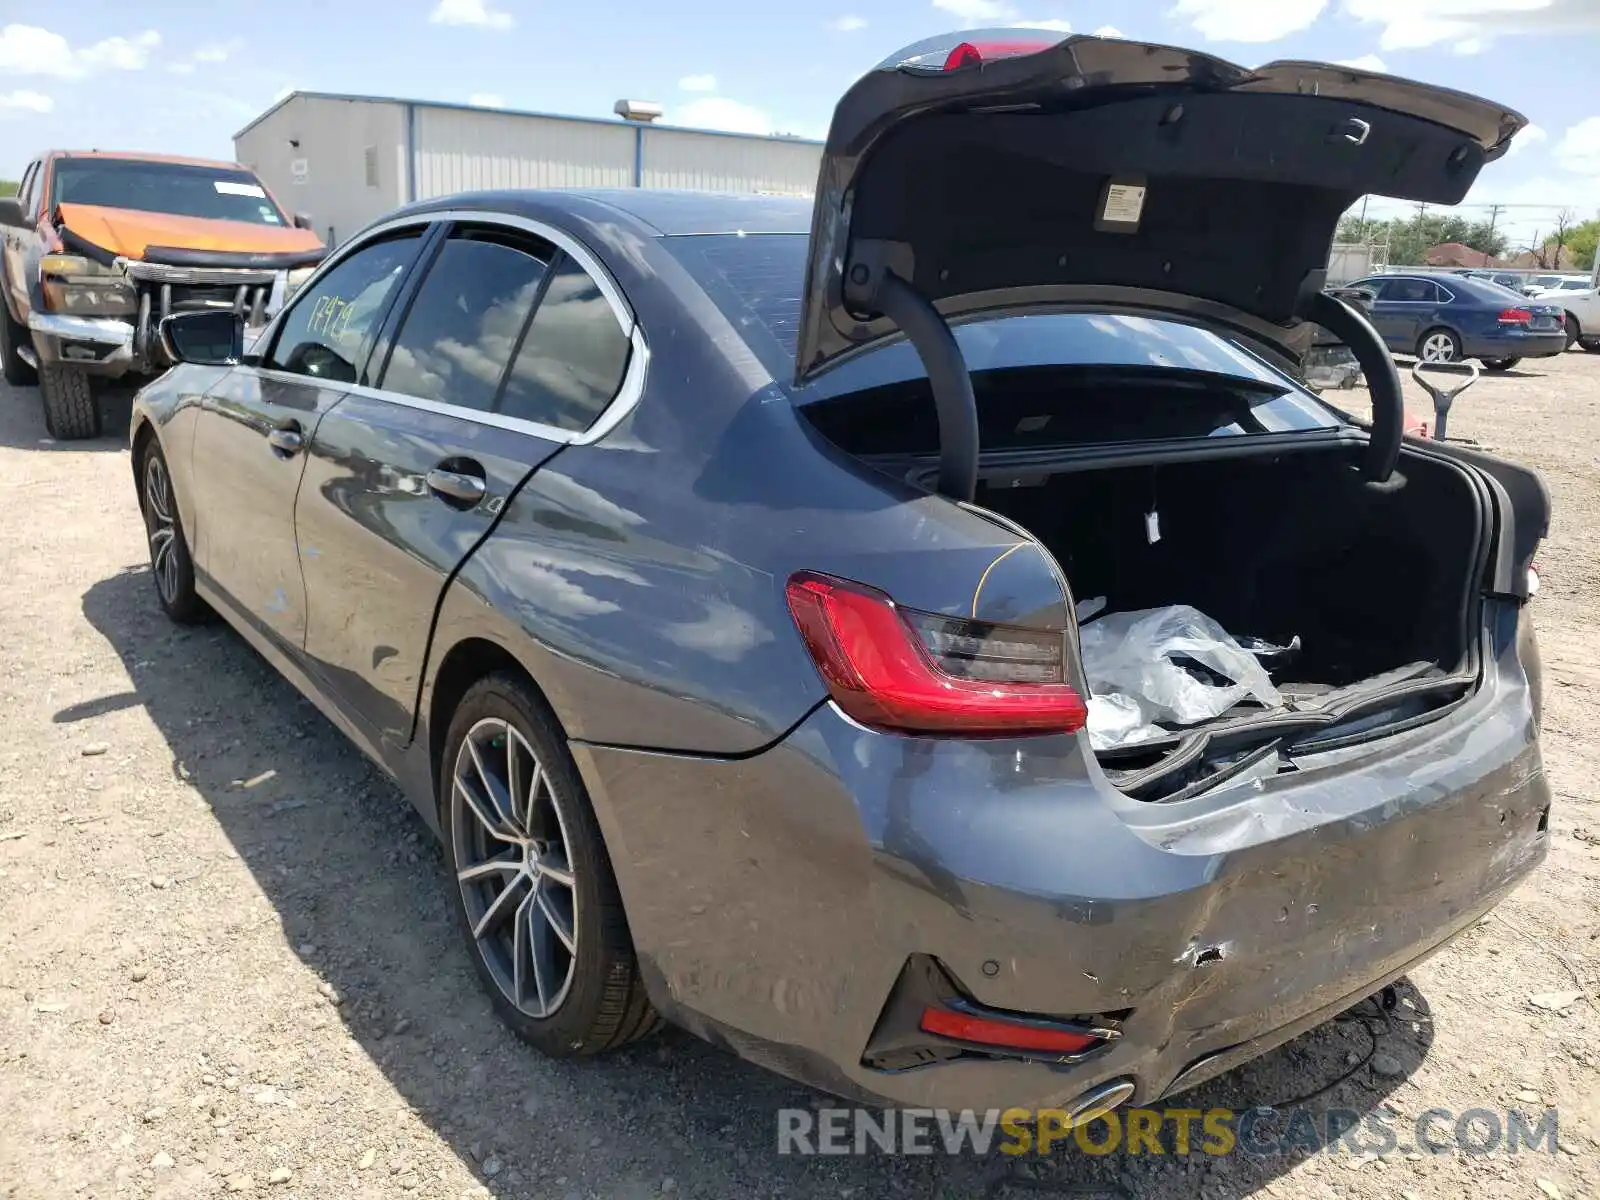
(643, 111)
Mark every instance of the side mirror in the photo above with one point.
(11, 211)
(206, 339)
(302, 220)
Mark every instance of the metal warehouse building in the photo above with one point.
(347, 160)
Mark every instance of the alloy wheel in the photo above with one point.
(1438, 347)
(161, 527)
(513, 867)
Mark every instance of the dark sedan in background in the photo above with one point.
(1446, 318)
(705, 570)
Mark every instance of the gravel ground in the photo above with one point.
(227, 964)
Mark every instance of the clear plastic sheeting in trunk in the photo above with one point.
(1171, 665)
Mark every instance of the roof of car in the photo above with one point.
(666, 213)
(141, 156)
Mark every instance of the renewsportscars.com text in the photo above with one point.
(1259, 1132)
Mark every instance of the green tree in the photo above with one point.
(8, 187)
(1410, 238)
(1582, 241)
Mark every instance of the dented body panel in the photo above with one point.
(798, 881)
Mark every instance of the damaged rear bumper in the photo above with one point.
(776, 901)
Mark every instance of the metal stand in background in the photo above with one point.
(1444, 397)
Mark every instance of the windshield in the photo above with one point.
(756, 280)
(180, 189)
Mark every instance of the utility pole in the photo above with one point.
(1494, 215)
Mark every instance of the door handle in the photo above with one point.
(286, 442)
(456, 488)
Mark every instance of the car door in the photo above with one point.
(20, 242)
(405, 479)
(1404, 305)
(256, 422)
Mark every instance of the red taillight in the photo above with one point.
(986, 1031)
(1515, 316)
(975, 54)
(897, 668)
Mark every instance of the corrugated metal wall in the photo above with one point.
(461, 150)
(344, 159)
(675, 158)
(338, 160)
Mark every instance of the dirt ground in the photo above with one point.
(227, 964)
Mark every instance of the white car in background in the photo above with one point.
(1582, 305)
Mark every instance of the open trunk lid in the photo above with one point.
(1113, 175)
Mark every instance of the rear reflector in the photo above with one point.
(1515, 316)
(897, 668)
(986, 1031)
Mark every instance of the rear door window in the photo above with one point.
(1411, 290)
(572, 360)
(463, 327)
(329, 330)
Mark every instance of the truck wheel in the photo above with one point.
(1592, 345)
(1574, 332)
(70, 412)
(1500, 364)
(12, 338)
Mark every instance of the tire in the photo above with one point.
(12, 338)
(171, 567)
(1439, 345)
(1592, 345)
(1499, 364)
(70, 411)
(1574, 331)
(588, 996)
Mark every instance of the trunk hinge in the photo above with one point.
(872, 285)
(1351, 327)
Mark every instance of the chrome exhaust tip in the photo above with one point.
(1098, 1101)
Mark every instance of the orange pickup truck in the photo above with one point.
(99, 247)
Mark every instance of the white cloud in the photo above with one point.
(1109, 31)
(698, 83)
(470, 12)
(1053, 23)
(718, 112)
(1470, 24)
(119, 53)
(181, 68)
(217, 52)
(847, 24)
(486, 100)
(29, 50)
(973, 13)
(1531, 135)
(14, 103)
(1251, 20)
(1367, 62)
(1578, 150)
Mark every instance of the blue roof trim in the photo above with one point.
(613, 122)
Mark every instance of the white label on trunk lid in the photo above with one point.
(227, 187)
(1124, 204)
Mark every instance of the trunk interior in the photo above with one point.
(1272, 543)
(1371, 586)
(1276, 547)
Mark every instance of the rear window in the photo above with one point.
(182, 189)
(756, 281)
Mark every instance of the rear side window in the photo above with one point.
(329, 331)
(462, 328)
(1423, 290)
(572, 360)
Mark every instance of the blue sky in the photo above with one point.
(183, 75)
